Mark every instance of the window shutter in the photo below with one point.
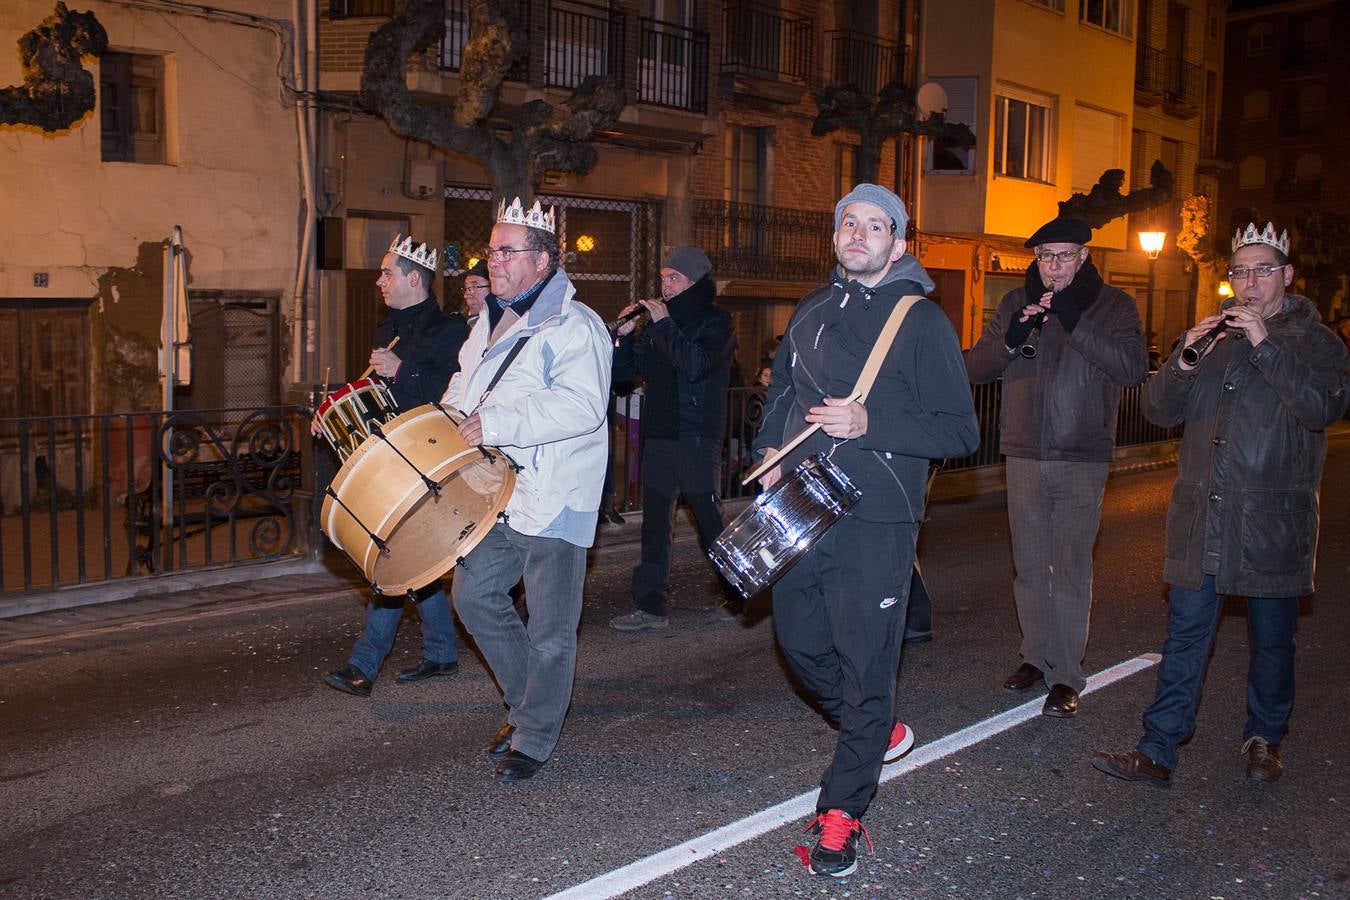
(1096, 145)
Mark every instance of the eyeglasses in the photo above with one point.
(1242, 272)
(475, 287)
(502, 254)
(1064, 256)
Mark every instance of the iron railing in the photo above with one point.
(672, 65)
(761, 41)
(350, 9)
(865, 62)
(87, 499)
(1148, 69)
(1182, 83)
(450, 54)
(583, 40)
(745, 240)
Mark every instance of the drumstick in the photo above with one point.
(366, 373)
(772, 459)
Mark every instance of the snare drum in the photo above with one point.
(345, 416)
(779, 527)
(384, 513)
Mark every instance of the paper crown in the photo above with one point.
(1243, 237)
(534, 217)
(422, 254)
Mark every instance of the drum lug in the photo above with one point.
(459, 561)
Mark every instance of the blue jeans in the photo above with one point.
(1193, 619)
(534, 662)
(438, 633)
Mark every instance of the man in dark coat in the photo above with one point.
(1064, 344)
(416, 371)
(839, 612)
(685, 356)
(1244, 513)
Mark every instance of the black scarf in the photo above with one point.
(1086, 284)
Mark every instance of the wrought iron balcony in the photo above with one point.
(745, 240)
(672, 65)
(1182, 82)
(451, 53)
(1148, 69)
(351, 9)
(583, 40)
(763, 42)
(866, 62)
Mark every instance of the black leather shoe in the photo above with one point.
(427, 669)
(349, 680)
(500, 744)
(1062, 702)
(516, 767)
(1026, 676)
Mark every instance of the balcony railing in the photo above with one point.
(749, 241)
(1148, 69)
(672, 65)
(583, 40)
(763, 42)
(1298, 189)
(1183, 81)
(867, 63)
(451, 53)
(351, 9)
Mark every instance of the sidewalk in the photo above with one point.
(334, 576)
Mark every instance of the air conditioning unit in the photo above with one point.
(424, 179)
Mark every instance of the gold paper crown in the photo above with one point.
(1241, 238)
(422, 254)
(534, 217)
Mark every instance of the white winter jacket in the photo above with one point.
(548, 411)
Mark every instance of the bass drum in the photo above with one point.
(414, 499)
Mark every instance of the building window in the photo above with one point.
(131, 107)
(1056, 5)
(1022, 138)
(947, 157)
(44, 358)
(1113, 15)
(745, 166)
(1260, 38)
(1255, 105)
(1252, 173)
(1096, 145)
(845, 168)
(1139, 162)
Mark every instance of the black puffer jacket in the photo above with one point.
(1245, 504)
(429, 342)
(686, 361)
(919, 408)
(1062, 403)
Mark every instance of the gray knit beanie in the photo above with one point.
(690, 262)
(879, 197)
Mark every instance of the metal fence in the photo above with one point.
(88, 499)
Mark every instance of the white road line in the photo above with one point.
(791, 811)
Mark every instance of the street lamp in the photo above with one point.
(1151, 242)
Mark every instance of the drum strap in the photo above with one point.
(510, 356)
(866, 379)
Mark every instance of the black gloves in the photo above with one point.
(1018, 332)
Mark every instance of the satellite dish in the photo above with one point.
(932, 97)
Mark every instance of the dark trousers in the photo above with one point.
(1192, 620)
(838, 615)
(670, 468)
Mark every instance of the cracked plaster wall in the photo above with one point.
(97, 228)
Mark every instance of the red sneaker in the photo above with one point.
(836, 853)
(902, 739)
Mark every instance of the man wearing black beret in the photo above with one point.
(1064, 344)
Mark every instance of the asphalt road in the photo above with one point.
(198, 754)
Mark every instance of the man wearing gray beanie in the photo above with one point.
(839, 611)
(685, 355)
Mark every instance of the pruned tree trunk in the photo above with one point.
(57, 90)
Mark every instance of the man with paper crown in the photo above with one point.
(416, 371)
(1261, 381)
(534, 382)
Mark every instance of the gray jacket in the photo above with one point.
(1245, 504)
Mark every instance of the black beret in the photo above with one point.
(479, 268)
(1061, 231)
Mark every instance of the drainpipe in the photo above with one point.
(304, 137)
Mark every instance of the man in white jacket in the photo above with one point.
(534, 381)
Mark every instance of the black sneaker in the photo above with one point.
(349, 680)
(836, 853)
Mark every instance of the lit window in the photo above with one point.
(1113, 15)
(1021, 138)
(131, 107)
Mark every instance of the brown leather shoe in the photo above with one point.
(1263, 760)
(500, 744)
(1133, 766)
(1062, 702)
(1026, 676)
